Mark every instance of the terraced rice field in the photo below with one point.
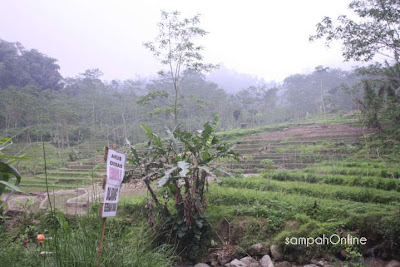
(300, 181)
(298, 147)
(73, 186)
(308, 181)
(77, 174)
(61, 172)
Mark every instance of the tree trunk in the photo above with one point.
(322, 98)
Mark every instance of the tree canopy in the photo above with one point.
(174, 47)
(376, 31)
(20, 67)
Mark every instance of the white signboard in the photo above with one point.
(115, 167)
(115, 175)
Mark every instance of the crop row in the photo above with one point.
(336, 179)
(316, 189)
(321, 209)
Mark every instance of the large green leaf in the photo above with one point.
(208, 171)
(5, 172)
(23, 157)
(13, 187)
(157, 141)
(185, 138)
(135, 156)
(5, 140)
(177, 145)
(209, 132)
(154, 138)
(158, 171)
(184, 168)
(17, 158)
(164, 180)
(147, 130)
(5, 168)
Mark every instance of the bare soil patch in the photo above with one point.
(315, 130)
(72, 201)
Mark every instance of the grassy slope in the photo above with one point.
(355, 192)
(61, 172)
(358, 193)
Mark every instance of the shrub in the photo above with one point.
(181, 163)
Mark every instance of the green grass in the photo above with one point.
(348, 191)
(352, 171)
(74, 242)
(329, 208)
(359, 194)
(260, 214)
(334, 179)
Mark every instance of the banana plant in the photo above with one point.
(181, 165)
(7, 172)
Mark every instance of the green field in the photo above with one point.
(299, 185)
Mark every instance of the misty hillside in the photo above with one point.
(232, 81)
(123, 141)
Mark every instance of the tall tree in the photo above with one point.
(320, 69)
(20, 68)
(376, 31)
(174, 47)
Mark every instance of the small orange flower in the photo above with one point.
(40, 238)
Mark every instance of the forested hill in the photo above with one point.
(69, 110)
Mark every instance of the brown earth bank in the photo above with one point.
(315, 130)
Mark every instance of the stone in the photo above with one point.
(323, 263)
(248, 260)
(46, 253)
(283, 264)
(310, 265)
(393, 263)
(224, 260)
(237, 263)
(374, 263)
(258, 249)
(214, 263)
(202, 265)
(266, 261)
(276, 253)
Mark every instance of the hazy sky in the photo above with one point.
(268, 38)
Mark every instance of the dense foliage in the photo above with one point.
(376, 33)
(85, 107)
(181, 164)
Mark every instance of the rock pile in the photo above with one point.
(260, 255)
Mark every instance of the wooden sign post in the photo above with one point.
(112, 186)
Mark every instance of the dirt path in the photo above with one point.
(74, 201)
